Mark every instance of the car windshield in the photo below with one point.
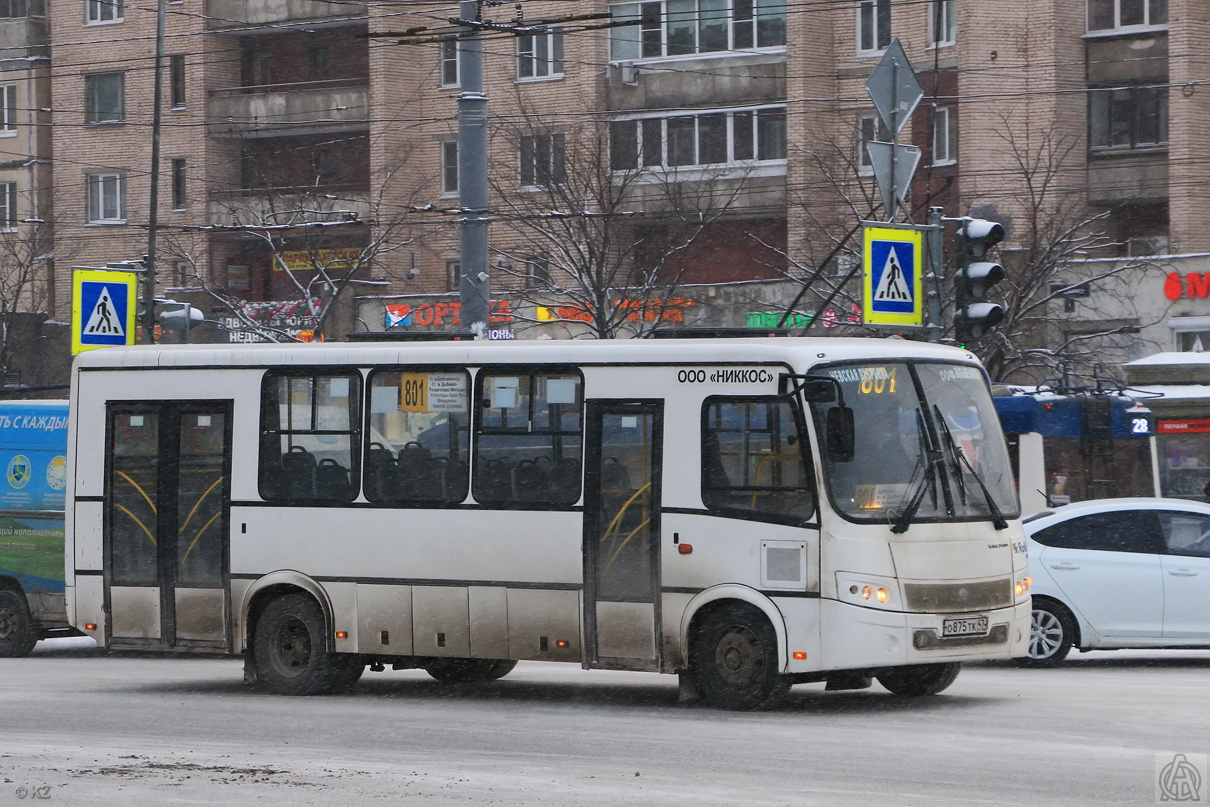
(927, 443)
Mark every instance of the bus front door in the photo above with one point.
(622, 534)
(167, 501)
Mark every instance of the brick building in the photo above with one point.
(306, 132)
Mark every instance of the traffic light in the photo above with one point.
(175, 320)
(973, 314)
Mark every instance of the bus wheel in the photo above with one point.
(468, 670)
(920, 679)
(734, 654)
(17, 633)
(290, 650)
(1052, 632)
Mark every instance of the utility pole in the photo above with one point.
(936, 274)
(475, 288)
(157, 111)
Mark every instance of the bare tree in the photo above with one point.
(1063, 254)
(26, 264)
(595, 238)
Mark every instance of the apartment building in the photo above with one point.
(711, 142)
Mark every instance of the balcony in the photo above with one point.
(277, 110)
(22, 38)
(288, 206)
(228, 15)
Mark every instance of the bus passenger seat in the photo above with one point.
(299, 468)
(332, 481)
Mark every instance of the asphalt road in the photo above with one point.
(81, 727)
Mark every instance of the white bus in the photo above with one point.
(747, 513)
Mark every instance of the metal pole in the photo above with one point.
(475, 287)
(149, 260)
(936, 274)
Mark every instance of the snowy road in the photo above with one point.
(79, 727)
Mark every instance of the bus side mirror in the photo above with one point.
(822, 391)
(841, 435)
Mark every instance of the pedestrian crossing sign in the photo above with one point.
(102, 309)
(892, 292)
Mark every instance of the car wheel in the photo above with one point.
(468, 670)
(734, 654)
(919, 679)
(1052, 632)
(290, 650)
(17, 632)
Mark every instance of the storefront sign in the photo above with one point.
(655, 309)
(829, 317)
(406, 315)
(308, 260)
(296, 318)
(1183, 426)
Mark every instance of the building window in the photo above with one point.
(449, 62)
(8, 207)
(541, 160)
(712, 138)
(176, 70)
(178, 185)
(105, 10)
(537, 272)
(686, 27)
(8, 109)
(945, 136)
(1118, 15)
(453, 275)
(18, 9)
(321, 62)
(873, 25)
(540, 55)
(449, 167)
(105, 97)
(1127, 118)
(943, 23)
(107, 198)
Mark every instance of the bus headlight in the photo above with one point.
(868, 591)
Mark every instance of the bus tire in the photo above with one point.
(919, 679)
(468, 670)
(290, 650)
(18, 635)
(734, 654)
(1052, 633)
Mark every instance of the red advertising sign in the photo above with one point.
(1183, 426)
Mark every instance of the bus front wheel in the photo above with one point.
(17, 632)
(734, 654)
(290, 650)
(919, 679)
(468, 670)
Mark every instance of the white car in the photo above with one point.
(1116, 573)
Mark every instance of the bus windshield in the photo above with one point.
(927, 448)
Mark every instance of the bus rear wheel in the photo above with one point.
(18, 635)
(468, 670)
(920, 679)
(290, 650)
(734, 654)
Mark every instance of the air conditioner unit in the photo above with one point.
(1142, 247)
(627, 74)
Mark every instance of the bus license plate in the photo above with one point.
(964, 626)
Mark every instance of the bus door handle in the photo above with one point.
(1065, 565)
(1182, 572)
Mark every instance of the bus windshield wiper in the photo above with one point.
(959, 459)
(927, 480)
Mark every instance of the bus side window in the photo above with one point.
(309, 433)
(418, 437)
(752, 460)
(528, 438)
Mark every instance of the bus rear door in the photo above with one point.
(167, 512)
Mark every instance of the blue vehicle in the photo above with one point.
(33, 455)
